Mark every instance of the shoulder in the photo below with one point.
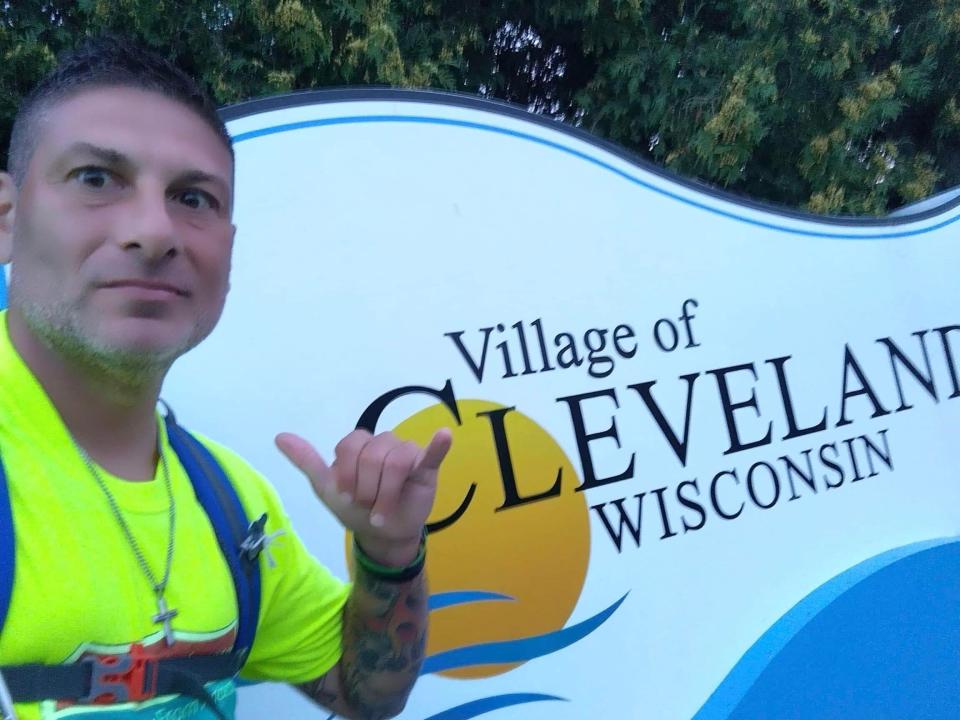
(255, 491)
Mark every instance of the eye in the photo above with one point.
(94, 178)
(197, 200)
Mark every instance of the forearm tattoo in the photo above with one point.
(384, 636)
(322, 690)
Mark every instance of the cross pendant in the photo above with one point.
(165, 615)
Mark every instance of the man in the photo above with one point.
(116, 217)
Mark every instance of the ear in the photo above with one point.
(8, 205)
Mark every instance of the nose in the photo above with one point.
(151, 230)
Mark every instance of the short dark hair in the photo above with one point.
(103, 61)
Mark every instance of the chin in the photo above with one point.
(143, 349)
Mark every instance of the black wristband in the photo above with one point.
(390, 574)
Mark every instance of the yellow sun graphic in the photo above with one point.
(534, 554)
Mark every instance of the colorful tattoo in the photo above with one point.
(384, 636)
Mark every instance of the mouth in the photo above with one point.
(151, 287)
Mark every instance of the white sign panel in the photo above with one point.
(706, 452)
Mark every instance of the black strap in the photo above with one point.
(88, 680)
(186, 683)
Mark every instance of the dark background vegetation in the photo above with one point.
(835, 106)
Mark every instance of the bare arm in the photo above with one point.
(382, 490)
(384, 635)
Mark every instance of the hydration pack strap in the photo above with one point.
(122, 678)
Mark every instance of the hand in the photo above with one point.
(379, 487)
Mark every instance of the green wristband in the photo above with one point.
(391, 574)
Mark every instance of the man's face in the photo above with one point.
(121, 236)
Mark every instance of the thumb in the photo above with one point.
(306, 458)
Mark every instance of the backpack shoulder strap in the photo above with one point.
(219, 499)
(7, 548)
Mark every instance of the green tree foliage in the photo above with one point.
(836, 106)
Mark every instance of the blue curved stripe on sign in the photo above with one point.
(878, 640)
(463, 597)
(485, 705)
(419, 119)
(509, 651)
(3, 289)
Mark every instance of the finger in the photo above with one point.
(305, 457)
(370, 467)
(436, 451)
(345, 465)
(396, 470)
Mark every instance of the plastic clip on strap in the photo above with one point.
(123, 678)
(258, 541)
(392, 574)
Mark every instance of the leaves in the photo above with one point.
(839, 106)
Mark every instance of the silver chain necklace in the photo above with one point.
(164, 614)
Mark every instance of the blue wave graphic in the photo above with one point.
(509, 651)
(634, 178)
(485, 705)
(881, 640)
(463, 597)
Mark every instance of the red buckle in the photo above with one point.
(121, 678)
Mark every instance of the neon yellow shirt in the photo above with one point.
(78, 587)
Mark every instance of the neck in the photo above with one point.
(111, 414)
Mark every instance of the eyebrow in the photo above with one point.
(107, 156)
